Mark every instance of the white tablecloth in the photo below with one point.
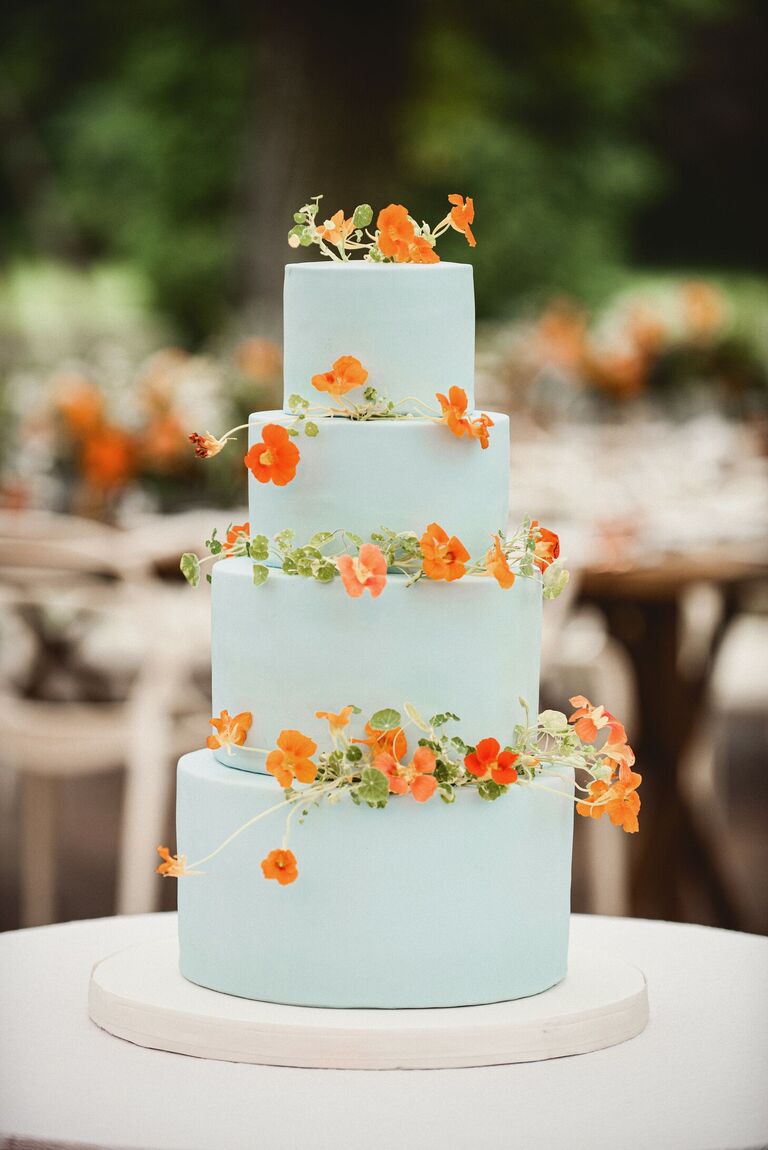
(697, 1077)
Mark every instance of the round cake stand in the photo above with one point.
(138, 994)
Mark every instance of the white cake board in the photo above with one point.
(138, 994)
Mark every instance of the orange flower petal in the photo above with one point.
(275, 459)
(280, 865)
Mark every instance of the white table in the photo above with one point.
(696, 1077)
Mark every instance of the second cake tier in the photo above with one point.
(402, 474)
(293, 646)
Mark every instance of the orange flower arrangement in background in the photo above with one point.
(292, 759)
(547, 547)
(258, 359)
(392, 742)
(346, 373)
(80, 404)
(280, 865)
(275, 458)
(417, 777)
(443, 557)
(364, 572)
(462, 216)
(497, 566)
(230, 732)
(488, 761)
(336, 722)
(108, 458)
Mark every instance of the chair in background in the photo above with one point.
(94, 568)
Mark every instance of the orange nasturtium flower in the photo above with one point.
(589, 720)
(547, 546)
(392, 742)
(462, 216)
(395, 233)
(336, 230)
(478, 429)
(275, 459)
(230, 732)
(488, 761)
(236, 534)
(417, 777)
(496, 565)
(280, 865)
(454, 408)
(172, 866)
(421, 251)
(292, 760)
(366, 571)
(618, 799)
(206, 446)
(347, 373)
(443, 558)
(336, 723)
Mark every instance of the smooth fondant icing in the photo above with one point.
(416, 905)
(401, 474)
(411, 326)
(294, 646)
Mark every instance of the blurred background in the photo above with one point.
(151, 158)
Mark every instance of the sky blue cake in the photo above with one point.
(380, 817)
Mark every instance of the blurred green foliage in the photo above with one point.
(134, 132)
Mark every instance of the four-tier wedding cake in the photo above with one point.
(381, 818)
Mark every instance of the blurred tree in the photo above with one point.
(532, 107)
(180, 136)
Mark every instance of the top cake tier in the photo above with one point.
(411, 325)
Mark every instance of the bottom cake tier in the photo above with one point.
(416, 905)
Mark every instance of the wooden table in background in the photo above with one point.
(642, 607)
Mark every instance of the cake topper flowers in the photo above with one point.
(589, 748)
(397, 238)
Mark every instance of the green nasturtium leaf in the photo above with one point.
(325, 572)
(373, 786)
(311, 429)
(321, 537)
(362, 216)
(189, 565)
(489, 790)
(259, 547)
(385, 720)
(441, 720)
(260, 574)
